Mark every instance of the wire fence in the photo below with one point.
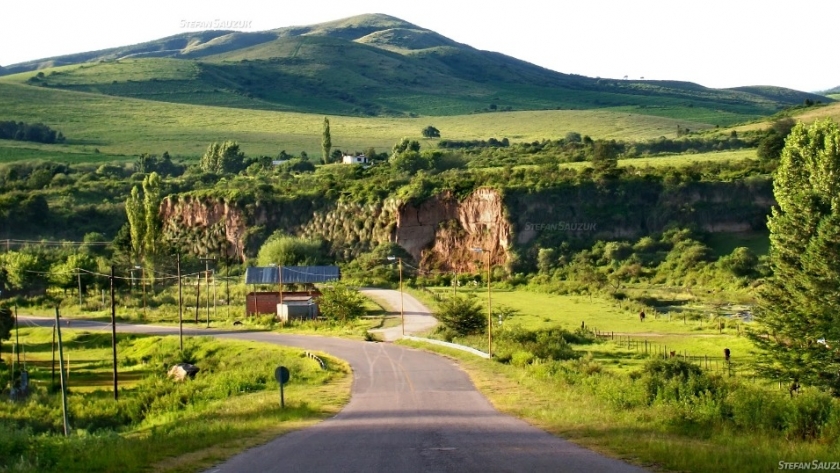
(724, 364)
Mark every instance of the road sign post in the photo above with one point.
(281, 374)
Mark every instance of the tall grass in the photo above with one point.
(231, 404)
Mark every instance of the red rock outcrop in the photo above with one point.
(444, 233)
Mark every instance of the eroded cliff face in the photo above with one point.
(443, 233)
(204, 226)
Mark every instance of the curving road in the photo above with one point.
(417, 317)
(410, 411)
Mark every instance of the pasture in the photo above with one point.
(121, 128)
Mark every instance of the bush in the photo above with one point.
(462, 315)
(756, 410)
(807, 415)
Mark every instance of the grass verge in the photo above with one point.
(158, 424)
(654, 436)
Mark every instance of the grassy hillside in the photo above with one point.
(807, 115)
(374, 65)
(123, 127)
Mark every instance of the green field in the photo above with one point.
(695, 335)
(122, 126)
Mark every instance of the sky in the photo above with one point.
(714, 43)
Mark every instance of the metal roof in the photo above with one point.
(291, 274)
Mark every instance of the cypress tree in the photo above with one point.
(799, 305)
(326, 142)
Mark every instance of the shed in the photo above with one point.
(266, 302)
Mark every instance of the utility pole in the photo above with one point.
(63, 379)
(402, 304)
(197, 295)
(113, 334)
(143, 283)
(52, 385)
(180, 305)
(489, 313)
(489, 306)
(207, 286)
(227, 288)
(17, 340)
(215, 298)
(79, 278)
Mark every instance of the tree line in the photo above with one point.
(37, 132)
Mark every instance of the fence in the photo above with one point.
(730, 366)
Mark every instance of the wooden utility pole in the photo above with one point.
(79, 278)
(180, 306)
(402, 305)
(207, 286)
(197, 295)
(114, 334)
(52, 386)
(17, 338)
(63, 379)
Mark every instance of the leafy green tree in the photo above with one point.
(406, 145)
(742, 262)
(546, 260)
(326, 142)
(431, 132)
(136, 213)
(572, 137)
(7, 323)
(341, 304)
(223, 158)
(605, 157)
(20, 269)
(286, 250)
(462, 315)
(410, 162)
(799, 308)
(63, 274)
(770, 147)
(151, 211)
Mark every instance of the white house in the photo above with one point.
(361, 159)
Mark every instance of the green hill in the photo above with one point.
(373, 65)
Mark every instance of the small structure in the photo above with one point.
(361, 159)
(296, 304)
(301, 307)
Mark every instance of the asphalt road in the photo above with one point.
(410, 411)
(417, 318)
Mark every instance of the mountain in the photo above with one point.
(373, 65)
(833, 90)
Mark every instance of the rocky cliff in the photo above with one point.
(445, 233)
(205, 226)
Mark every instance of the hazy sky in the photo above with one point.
(712, 42)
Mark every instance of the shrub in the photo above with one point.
(807, 415)
(462, 315)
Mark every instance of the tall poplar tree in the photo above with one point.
(326, 142)
(151, 211)
(799, 308)
(135, 211)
